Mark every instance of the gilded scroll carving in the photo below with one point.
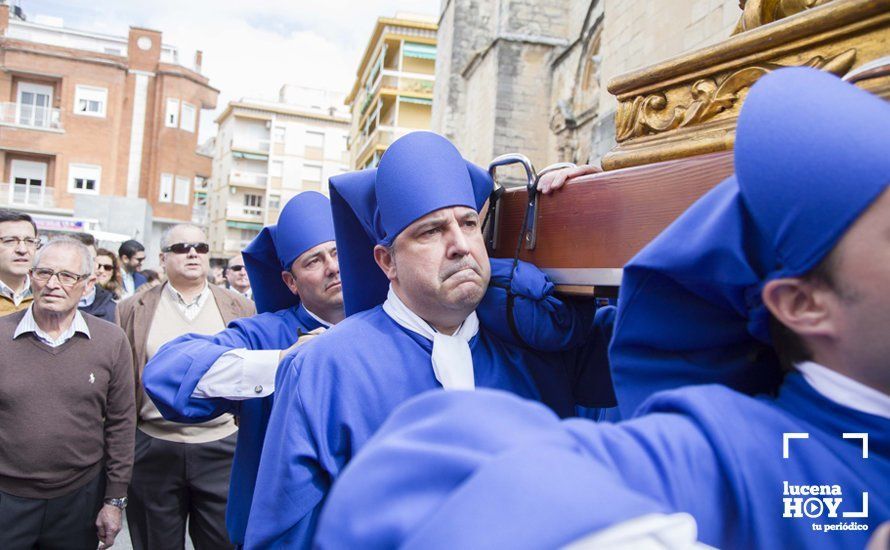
(647, 115)
(761, 12)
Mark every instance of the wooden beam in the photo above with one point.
(590, 229)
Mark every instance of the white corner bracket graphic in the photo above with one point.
(786, 436)
(863, 437)
(864, 512)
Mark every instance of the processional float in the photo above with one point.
(675, 129)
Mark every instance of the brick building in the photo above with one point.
(537, 70)
(99, 129)
(393, 90)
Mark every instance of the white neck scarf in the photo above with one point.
(452, 360)
(844, 390)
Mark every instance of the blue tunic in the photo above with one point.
(487, 470)
(334, 394)
(173, 373)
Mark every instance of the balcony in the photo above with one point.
(248, 179)
(381, 136)
(246, 213)
(20, 196)
(252, 145)
(234, 245)
(29, 116)
(415, 84)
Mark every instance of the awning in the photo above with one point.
(249, 156)
(418, 100)
(244, 225)
(419, 51)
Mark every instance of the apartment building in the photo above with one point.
(267, 152)
(99, 130)
(393, 90)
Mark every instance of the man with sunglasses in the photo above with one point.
(67, 412)
(181, 471)
(295, 279)
(236, 277)
(18, 242)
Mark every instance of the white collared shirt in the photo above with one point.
(16, 297)
(129, 284)
(189, 309)
(244, 373)
(845, 391)
(29, 324)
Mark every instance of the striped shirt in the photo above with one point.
(29, 324)
(190, 309)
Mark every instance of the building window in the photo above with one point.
(276, 168)
(84, 178)
(278, 133)
(311, 173)
(187, 119)
(181, 192)
(34, 106)
(274, 202)
(166, 194)
(253, 200)
(172, 119)
(90, 101)
(315, 139)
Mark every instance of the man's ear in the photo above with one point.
(803, 306)
(291, 282)
(386, 261)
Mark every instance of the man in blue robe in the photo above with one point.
(414, 269)
(294, 271)
(295, 277)
(787, 262)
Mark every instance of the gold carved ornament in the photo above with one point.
(645, 114)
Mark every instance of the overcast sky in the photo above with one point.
(251, 47)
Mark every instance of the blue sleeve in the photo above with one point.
(448, 468)
(291, 483)
(540, 320)
(170, 377)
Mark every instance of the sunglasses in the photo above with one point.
(105, 267)
(236, 268)
(183, 248)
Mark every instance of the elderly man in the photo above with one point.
(181, 470)
(131, 254)
(336, 391)
(67, 413)
(236, 277)
(796, 244)
(18, 242)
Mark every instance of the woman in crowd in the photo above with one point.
(108, 273)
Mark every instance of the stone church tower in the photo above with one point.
(530, 76)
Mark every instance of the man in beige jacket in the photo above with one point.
(181, 471)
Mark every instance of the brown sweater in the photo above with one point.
(65, 411)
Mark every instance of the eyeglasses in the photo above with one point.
(14, 242)
(105, 267)
(183, 248)
(66, 278)
(236, 268)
